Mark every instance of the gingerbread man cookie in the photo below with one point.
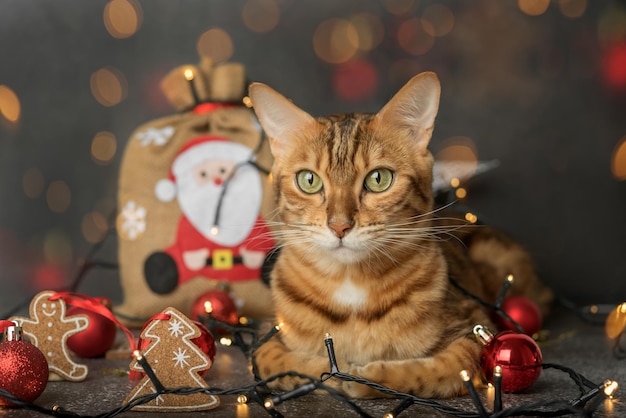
(48, 328)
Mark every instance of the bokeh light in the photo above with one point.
(572, 8)
(533, 7)
(57, 247)
(103, 147)
(58, 196)
(458, 148)
(122, 18)
(618, 161)
(413, 38)
(261, 15)
(399, 7)
(49, 276)
(370, 30)
(33, 183)
(10, 107)
(616, 321)
(440, 19)
(614, 66)
(215, 43)
(355, 80)
(108, 86)
(335, 41)
(94, 227)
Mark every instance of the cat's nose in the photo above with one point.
(340, 229)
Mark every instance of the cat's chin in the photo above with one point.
(346, 255)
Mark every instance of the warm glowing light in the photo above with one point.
(279, 326)
(122, 18)
(399, 7)
(465, 375)
(572, 8)
(103, 147)
(216, 44)
(510, 278)
(58, 196)
(335, 40)
(610, 387)
(10, 107)
(108, 86)
(618, 160)
(497, 371)
(471, 218)
(226, 342)
(33, 183)
(413, 38)
(268, 404)
(459, 149)
(215, 230)
(94, 227)
(461, 193)
(137, 355)
(616, 321)
(243, 320)
(188, 73)
(355, 80)
(208, 307)
(455, 182)
(261, 15)
(370, 30)
(389, 415)
(533, 7)
(242, 398)
(247, 102)
(594, 309)
(57, 248)
(440, 20)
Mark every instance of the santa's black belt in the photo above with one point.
(223, 260)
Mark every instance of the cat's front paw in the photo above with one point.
(369, 372)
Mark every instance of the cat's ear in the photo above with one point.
(280, 118)
(413, 108)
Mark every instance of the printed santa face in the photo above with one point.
(218, 192)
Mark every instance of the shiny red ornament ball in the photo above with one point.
(23, 371)
(218, 304)
(523, 311)
(517, 354)
(97, 339)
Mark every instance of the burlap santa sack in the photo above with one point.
(193, 199)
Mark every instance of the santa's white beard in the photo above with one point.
(239, 209)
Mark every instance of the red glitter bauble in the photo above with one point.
(218, 304)
(517, 354)
(205, 342)
(523, 311)
(23, 371)
(97, 339)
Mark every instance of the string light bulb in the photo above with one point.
(208, 307)
(188, 73)
(610, 387)
(215, 230)
(226, 342)
(242, 398)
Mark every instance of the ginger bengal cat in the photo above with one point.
(366, 256)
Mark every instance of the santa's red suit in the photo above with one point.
(223, 263)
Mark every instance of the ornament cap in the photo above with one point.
(483, 334)
(13, 333)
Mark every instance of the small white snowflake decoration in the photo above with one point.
(158, 137)
(131, 222)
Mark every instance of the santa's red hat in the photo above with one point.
(196, 151)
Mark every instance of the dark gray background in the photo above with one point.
(529, 91)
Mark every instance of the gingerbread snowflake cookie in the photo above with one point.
(176, 361)
(48, 328)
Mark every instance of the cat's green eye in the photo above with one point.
(309, 182)
(378, 180)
